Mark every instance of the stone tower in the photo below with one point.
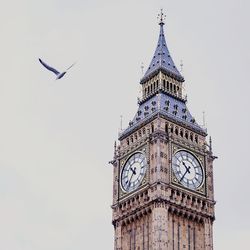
(163, 195)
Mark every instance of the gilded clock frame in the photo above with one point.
(201, 159)
(145, 151)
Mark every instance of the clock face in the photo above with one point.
(133, 172)
(187, 169)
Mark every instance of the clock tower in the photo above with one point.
(163, 195)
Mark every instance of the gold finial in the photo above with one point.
(161, 17)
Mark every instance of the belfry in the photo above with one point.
(163, 195)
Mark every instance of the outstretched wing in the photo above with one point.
(71, 66)
(48, 67)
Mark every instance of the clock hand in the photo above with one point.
(130, 179)
(133, 173)
(187, 171)
(187, 168)
(133, 170)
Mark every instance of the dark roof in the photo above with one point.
(169, 107)
(162, 60)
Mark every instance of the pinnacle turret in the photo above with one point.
(162, 60)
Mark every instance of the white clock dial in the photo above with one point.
(187, 169)
(133, 172)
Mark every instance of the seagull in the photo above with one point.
(59, 75)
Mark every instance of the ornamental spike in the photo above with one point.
(161, 17)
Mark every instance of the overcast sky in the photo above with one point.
(56, 137)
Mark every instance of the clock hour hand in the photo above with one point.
(133, 170)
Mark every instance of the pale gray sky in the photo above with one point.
(56, 137)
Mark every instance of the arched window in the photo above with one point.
(127, 141)
(132, 139)
(171, 129)
(191, 137)
(166, 127)
(171, 87)
(135, 136)
(196, 139)
(152, 127)
(181, 133)
(164, 84)
(176, 131)
(167, 85)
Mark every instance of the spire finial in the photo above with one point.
(142, 68)
(181, 65)
(210, 144)
(161, 17)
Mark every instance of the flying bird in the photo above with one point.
(58, 74)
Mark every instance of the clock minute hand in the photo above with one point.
(133, 173)
(129, 182)
(187, 168)
(187, 171)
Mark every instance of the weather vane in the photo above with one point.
(161, 17)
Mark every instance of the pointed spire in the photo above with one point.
(210, 144)
(115, 149)
(162, 59)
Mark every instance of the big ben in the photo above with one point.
(163, 195)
